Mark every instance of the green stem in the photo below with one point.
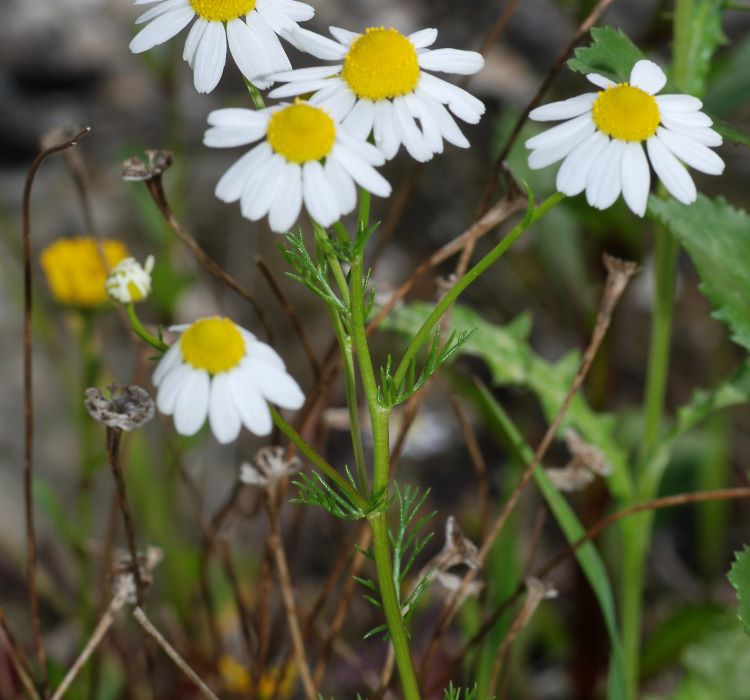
(317, 460)
(532, 214)
(379, 417)
(255, 95)
(142, 333)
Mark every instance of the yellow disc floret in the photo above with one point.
(213, 344)
(222, 10)
(626, 113)
(301, 133)
(76, 269)
(381, 64)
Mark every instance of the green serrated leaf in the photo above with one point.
(610, 54)
(717, 237)
(739, 576)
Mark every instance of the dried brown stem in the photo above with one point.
(31, 551)
(17, 658)
(291, 312)
(171, 652)
(590, 21)
(618, 274)
(156, 190)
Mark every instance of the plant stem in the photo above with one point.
(141, 332)
(532, 215)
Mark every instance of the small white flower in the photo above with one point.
(379, 83)
(270, 467)
(221, 371)
(602, 140)
(251, 28)
(304, 155)
(129, 282)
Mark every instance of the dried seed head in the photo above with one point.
(585, 461)
(128, 407)
(135, 170)
(270, 467)
(123, 581)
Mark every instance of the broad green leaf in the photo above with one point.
(739, 576)
(587, 555)
(717, 237)
(512, 361)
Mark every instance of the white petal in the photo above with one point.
(276, 386)
(573, 173)
(451, 61)
(317, 45)
(559, 148)
(223, 415)
(678, 103)
(362, 148)
(161, 29)
(604, 184)
(287, 202)
(690, 152)
(338, 100)
(384, 129)
(192, 404)
(170, 388)
(671, 172)
(342, 184)
(294, 10)
(259, 193)
(300, 88)
(447, 125)
(433, 137)
(600, 81)
(160, 9)
(265, 36)
(647, 76)
(320, 199)
(262, 352)
(210, 57)
(408, 133)
(307, 74)
(236, 117)
(248, 53)
(193, 40)
(557, 111)
(463, 104)
(564, 132)
(168, 362)
(362, 172)
(423, 38)
(222, 137)
(636, 178)
(708, 137)
(232, 183)
(250, 403)
(360, 119)
(343, 36)
(695, 120)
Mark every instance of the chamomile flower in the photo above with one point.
(129, 281)
(220, 371)
(380, 83)
(251, 28)
(305, 155)
(602, 141)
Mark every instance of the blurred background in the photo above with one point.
(66, 64)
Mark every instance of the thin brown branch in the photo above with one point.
(590, 21)
(17, 658)
(618, 274)
(31, 551)
(291, 312)
(172, 653)
(156, 190)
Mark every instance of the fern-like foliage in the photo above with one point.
(315, 490)
(452, 693)
(394, 392)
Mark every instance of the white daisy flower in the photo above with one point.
(379, 83)
(221, 371)
(251, 28)
(129, 281)
(305, 155)
(602, 140)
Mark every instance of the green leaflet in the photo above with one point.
(739, 576)
(717, 237)
(512, 361)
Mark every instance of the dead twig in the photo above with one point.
(17, 658)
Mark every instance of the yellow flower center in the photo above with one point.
(76, 269)
(222, 10)
(626, 113)
(301, 133)
(381, 64)
(213, 344)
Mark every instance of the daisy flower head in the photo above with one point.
(606, 136)
(380, 83)
(220, 371)
(304, 155)
(250, 28)
(129, 281)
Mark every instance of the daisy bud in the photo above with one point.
(129, 281)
